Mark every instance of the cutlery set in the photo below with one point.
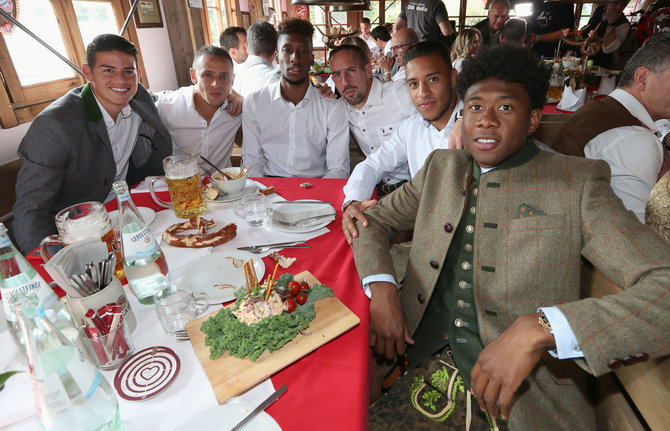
(95, 277)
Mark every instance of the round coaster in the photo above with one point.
(147, 373)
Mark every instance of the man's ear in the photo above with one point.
(86, 69)
(454, 74)
(535, 118)
(640, 78)
(368, 70)
(194, 77)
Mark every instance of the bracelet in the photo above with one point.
(544, 323)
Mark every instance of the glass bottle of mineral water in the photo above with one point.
(143, 260)
(70, 393)
(17, 275)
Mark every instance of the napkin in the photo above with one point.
(607, 84)
(293, 212)
(572, 100)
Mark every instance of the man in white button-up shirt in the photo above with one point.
(289, 129)
(197, 116)
(257, 71)
(430, 79)
(375, 109)
(234, 41)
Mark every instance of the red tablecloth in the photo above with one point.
(327, 389)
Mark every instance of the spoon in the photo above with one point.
(214, 166)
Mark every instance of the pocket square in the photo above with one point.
(527, 211)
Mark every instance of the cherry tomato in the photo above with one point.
(304, 286)
(293, 287)
(301, 298)
(290, 305)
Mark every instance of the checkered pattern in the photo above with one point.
(537, 262)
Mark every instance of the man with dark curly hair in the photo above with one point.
(490, 305)
(290, 130)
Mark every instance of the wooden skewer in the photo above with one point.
(246, 275)
(214, 166)
(253, 270)
(271, 282)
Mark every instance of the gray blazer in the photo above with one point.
(67, 159)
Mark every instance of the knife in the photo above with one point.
(280, 243)
(262, 406)
(301, 202)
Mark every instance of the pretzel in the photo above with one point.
(201, 239)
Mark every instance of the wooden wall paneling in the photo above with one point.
(186, 35)
(255, 10)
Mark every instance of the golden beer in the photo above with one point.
(555, 92)
(186, 196)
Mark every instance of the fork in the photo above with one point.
(303, 220)
(181, 335)
(259, 250)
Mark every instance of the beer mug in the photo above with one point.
(83, 221)
(182, 176)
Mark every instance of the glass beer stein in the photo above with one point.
(83, 221)
(182, 176)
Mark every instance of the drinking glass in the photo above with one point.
(175, 308)
(252, 208)
(182, 176)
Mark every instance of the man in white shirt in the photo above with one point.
(234, 41)
(197, 116)
(257, 71)
(620, 129)
(367, 36)
(430, 79)
(375, 109)
(289, 129)
(382, 39)
(401, 41)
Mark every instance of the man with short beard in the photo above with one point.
(374, 108)
(289, 129)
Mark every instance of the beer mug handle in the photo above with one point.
(49, 240)
(201, 301)
(153, 192)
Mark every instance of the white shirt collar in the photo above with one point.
(126, 111)
(276, 93)
(634, 106)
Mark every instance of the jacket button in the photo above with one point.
(106, 182)
(628, 360)
(434, 264)
(420, 298)
(641, 357)
(462, 191)
(448, 228)
(614, 363)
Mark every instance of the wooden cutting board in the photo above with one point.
(230, 376)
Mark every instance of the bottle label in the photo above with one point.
(138, 244)
(36, 285)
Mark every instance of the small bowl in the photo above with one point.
(229, 187)
(570, 62)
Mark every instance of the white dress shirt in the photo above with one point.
(409, 146)
(387, 49)
(388, 104)
(374, 49)
(190, 132)
(399, 75)
(122, 135)
(255, 73)
(309, 140)
(634, 153)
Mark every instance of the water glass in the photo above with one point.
(175, 308)
(253, 209)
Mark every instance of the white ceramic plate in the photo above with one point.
(147, 214)
(225, 417)
(250, 187)
(213, 270)
(292, 212)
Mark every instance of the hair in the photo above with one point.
(229, 39)
(297, 26)
(501, 2)
(210, 50)
(654, 55)
(514, 30)
(262, 38)
(508, 63)
(365, 20)
(358, 42)
(411, 36)
(465, 40)
(362, 57)
(381, 32)
(426, 48)
(106, 43)
(388, 26)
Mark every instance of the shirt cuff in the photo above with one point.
(567, 345)
(374, 278)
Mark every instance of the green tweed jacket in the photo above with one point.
(537, 262)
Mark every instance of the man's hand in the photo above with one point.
(235, 100)
(388, 329)
(504, 364)
(456, 136)
(325, 91)
(385, 63)
(355, 211)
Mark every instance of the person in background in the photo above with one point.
(290, 130)
(620, 128)
(467, 43)
(497, 16)
(382, 38)
(609, 24)
(513, 32)
(257, 71)
(429, 18)
(198, 116)
(547, 24)
(367, 36)
(234, 41)
(106, 131)
(401, 41)
(490, 306)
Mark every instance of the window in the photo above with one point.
(33, 76)
(217, 20)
